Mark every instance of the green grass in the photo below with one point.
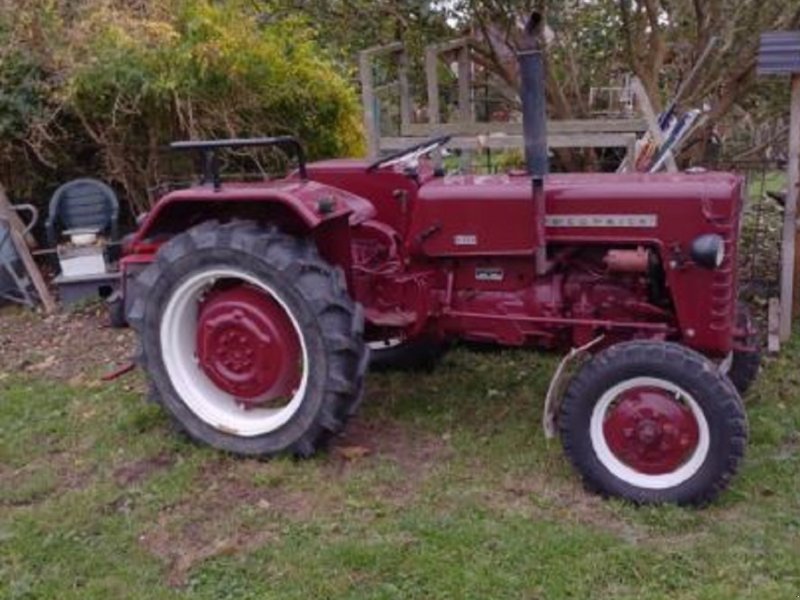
(461, 497)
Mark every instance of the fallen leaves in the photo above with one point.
(72, 346)
(352, 452)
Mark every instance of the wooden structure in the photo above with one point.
(779, 54)
(18, 240)
(469, 135)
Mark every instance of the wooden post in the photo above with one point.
(33, 272)
(10, 215)
(628, 163)
(464, 85)
(405, 91)
(432, 78)
(790, 268)
(23, 251)
(465, 113)
(368, 102)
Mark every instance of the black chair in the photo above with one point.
(83, 204)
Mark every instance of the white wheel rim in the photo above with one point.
(631, 476)
(178, 335)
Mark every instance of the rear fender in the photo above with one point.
(298, 208)
(326, 217)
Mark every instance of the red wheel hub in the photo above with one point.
(247, 345)
(650, 430)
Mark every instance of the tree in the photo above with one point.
(344, 27)
(656, 40)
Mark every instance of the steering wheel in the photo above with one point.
(410, 154)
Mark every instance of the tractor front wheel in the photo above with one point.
(653, 422)
(249, 339)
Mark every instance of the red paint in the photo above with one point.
(453, 257)
(649, 430)
(310, 203)
(497, 211)
(247, 345)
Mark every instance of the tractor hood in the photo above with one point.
(587, 186)
(483, 215)
(706, 196)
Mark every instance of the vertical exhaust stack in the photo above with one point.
(532, 94)
(534, 121)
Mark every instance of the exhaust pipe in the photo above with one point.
(534, 123)
(532, 94)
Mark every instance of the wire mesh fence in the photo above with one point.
(762, 224)
(761, 234)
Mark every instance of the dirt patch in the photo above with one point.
(220, 517)
(239, 505)
(194, 542)
(75, 346)
(140, 470)
(545, 497)
(52, 474)
(413, 452)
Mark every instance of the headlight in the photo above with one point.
(708, 250)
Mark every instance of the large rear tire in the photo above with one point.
(249, 339)
(653, 422)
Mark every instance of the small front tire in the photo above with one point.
(653, 422)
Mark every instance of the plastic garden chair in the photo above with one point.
(83, 204)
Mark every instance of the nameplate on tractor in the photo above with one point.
(601, 221)
(489, 274)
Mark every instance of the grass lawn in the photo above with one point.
(444, 487)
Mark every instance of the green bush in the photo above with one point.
(100, 87)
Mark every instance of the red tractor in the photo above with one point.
(257, 304)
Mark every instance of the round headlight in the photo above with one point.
(708, 250)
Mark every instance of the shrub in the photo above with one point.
(100, 87)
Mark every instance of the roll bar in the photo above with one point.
(209, 149)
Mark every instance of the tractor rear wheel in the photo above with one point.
(250, 339)
(653, 422)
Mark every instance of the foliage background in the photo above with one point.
(596, 42)
(99, 87)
